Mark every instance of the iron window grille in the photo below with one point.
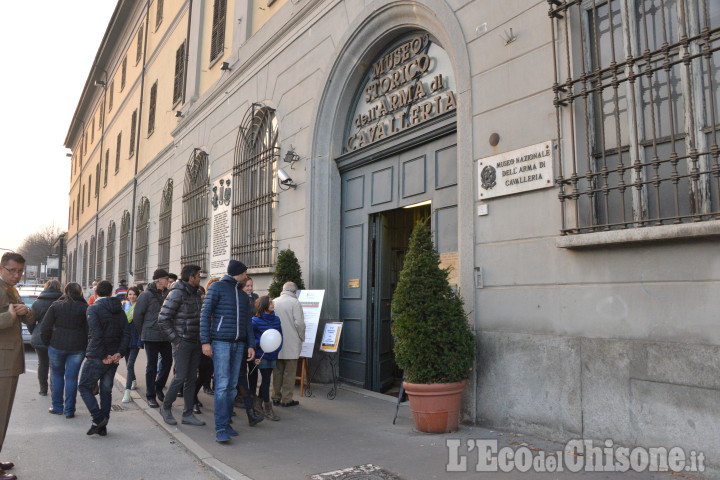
(138, 54)
(110, 253)
(123, 255)
(133, 126)
(165, 224)
(151, 114)
(91, 263)
(99, 256)
(254, 189)
(110, 98)
(196, 191)
(159, 14)
(217, 39)
(179, 74)
(123, 73)
(85, 264)
(117, 152)
(142, 231)
(107, 167)
(642, 99)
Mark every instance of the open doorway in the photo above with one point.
(390, 236)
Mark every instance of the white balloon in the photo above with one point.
(270, 340)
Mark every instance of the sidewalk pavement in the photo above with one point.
(45, 446)
(354, 429)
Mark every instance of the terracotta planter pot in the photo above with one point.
(435, 406)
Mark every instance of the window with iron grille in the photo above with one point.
(123, 73)
(641, 92)
(151, 114)
(97, 179)
(142, 231)
(110, 98)
(133, 126)
(89, 188)
(107, 167)
(99, 255)
(82, 200)
(117, 152)
(85, 264)
(138, 55)
(124, 253)
(69, 268)
(165, 224)
(196, 191)
(217, 39)
(78, 265)
(110, 253)
(179, 74)
(159, 14)
(91, 262)
(254, 189)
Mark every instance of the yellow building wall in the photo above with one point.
(211, 73)
(261, 13)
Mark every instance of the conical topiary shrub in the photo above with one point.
(287, 270)
(433, 341)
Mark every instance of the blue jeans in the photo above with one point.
(227, 358)
(130, 363)
(92, 371)
(65, 366)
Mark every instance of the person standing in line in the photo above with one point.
(108, 340)
(52, 291)
(12, 356)
(135, 344)
(265, 362)
(65, 331)
(94, 296)
(288, 308)
(205, 367)
(180, 319)
(145, 317)
(246, 396)
(225, 327)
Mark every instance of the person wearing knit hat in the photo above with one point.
(236, 267)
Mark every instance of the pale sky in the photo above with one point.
(46, 51)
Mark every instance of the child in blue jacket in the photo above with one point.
(264, 319)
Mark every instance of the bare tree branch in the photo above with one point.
(38, 245)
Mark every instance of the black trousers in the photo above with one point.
(205, 373)
(187, 359)
(153, 380)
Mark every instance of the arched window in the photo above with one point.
(99, 258)
(254, 189)
(91, 263)
(110, 253)
(195, 211)
(84, 264)
(123, 266)
(141, 238)
(165, 224)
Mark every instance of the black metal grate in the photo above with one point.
(165, 224)
(110, 261)
(196, 191)
(124, 253)
(641, 91)
(142, 232)
(91, 263)
(85, 264)
(254, 193)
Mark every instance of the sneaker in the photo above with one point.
(231, 431)
(292, 403)
(94, 429)
(167, 415)
(102, 431)
(153, 403)
(126, 397)
(54, 412)
(192, 420)
(222, 436)
(134, 385)
(196, 409)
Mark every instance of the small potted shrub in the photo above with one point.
(287, 269)
(433, 342)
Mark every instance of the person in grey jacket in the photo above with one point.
(145, 318)
(180, 319)
(288, 308)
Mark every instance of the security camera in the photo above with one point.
(285, 179)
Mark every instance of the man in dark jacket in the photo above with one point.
(225, 328)
(108, 339)
(52, 291)
(145, 318)
(180, 319)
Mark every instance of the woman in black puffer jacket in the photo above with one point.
(65, 331)
(52, 291)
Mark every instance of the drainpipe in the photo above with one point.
(137, 141)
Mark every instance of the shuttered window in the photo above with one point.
(133, 126)
(117, 152)
(123, 74)
(89, 188)
(159, 14)
(151, 114)
(110, 95)
(217, 39)
(138, 55)
(179, 74)
(107, 167)
(97, 179)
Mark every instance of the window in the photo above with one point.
(642, 94)
(85, 139)
(110, 253)
(70, 265)
(142, 231)
(77, 212)
(97, 179)
(196, 190)
(138, 55)
(123, 73)
(151, 114)
(158, 14)
(82, 203)
(179, 74)
(254, 191)
(217, 39)
(99, 257)
(89, 188)
(84, 264)
(123, 266)
(165, 223)
(102, 115)
(110, 97)
(73, 213)
(92, 131)
(91, 263)
(107, 167)
(117, 152)
(133, 126)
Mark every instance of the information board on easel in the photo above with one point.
(331, 337)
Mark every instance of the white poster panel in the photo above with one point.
(311, 301)
(220, 199)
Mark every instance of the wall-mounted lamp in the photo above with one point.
(285, 180)
(99, 83)
(178, 114)
(225, 66)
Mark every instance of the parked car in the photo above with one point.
(28, 294)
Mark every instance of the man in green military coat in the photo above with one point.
(12, 351)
